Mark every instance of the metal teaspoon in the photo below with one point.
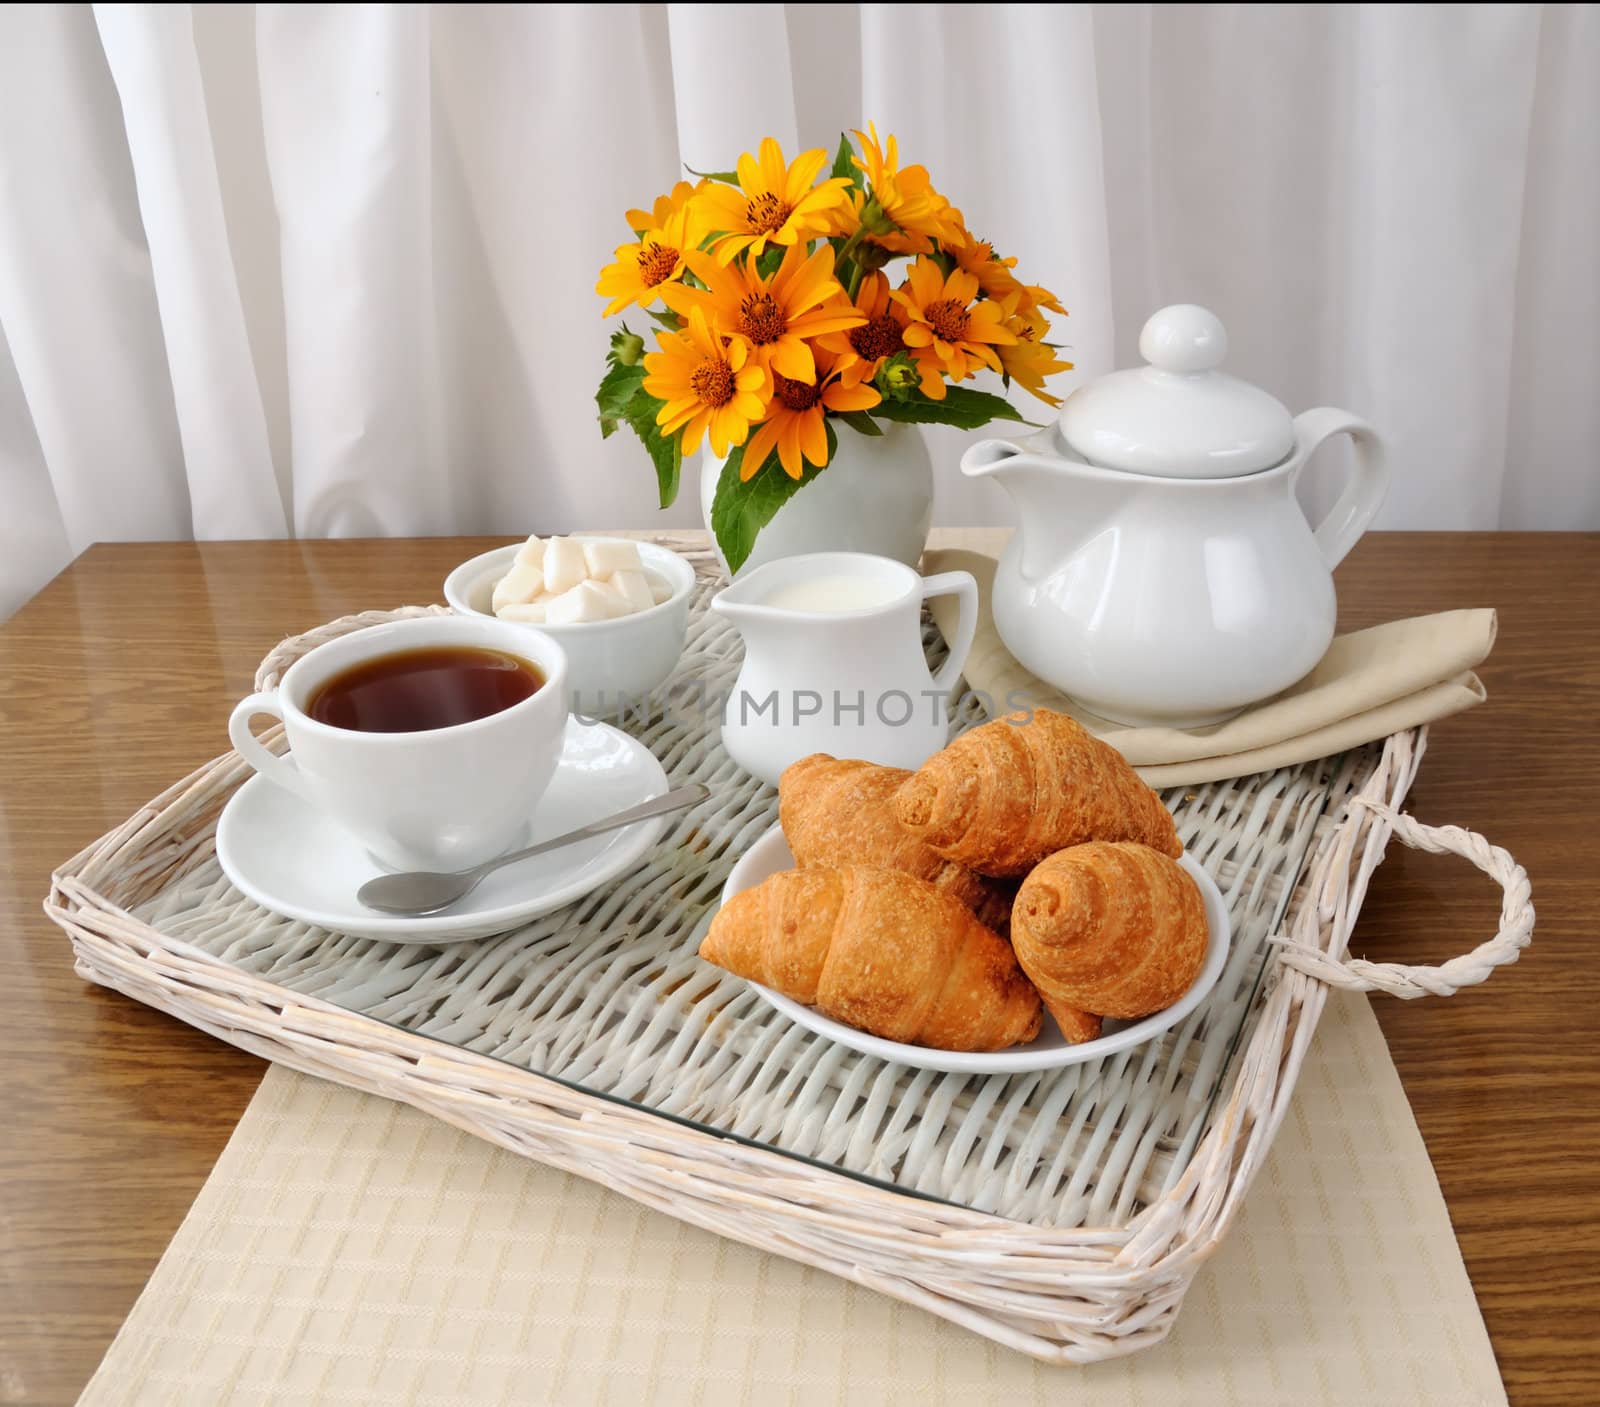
(419, 892)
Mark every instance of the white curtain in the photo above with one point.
(329, 269)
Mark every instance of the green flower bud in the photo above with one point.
(627, 347)
(898, 377)
(871, 257)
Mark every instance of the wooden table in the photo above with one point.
(119, 676)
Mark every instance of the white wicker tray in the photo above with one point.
(1063, 1213)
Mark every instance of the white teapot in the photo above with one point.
(1163, 572)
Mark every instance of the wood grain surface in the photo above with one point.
(119, 676)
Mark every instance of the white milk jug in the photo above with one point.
(833, 662)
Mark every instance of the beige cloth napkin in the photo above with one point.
(351, 1251)
(1370, 683)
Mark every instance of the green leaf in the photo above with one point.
(860, 422)
(844, 164)
(617, 390)
(728, 177)
(963, 408)
(666, 317)
(666, 451)
(740, 510)
(621, 396)
(771, 257)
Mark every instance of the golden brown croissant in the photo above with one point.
(1115, 928)
(1002, 797)
(836, 811)
(1076, 1026)
(880, 951)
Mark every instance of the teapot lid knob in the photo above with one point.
(1184, 338)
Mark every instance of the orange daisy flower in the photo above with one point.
(773, 201)
(665, 208)
(1035, 296)
(709, 385)
(907, 197)
(657, 259)
(775, 315)
(1030, 359)
(794, 423)
(862, 350)
(949, 334)
(978, 258)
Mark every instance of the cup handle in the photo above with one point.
(962, 585)
(278, 770)
(1337, 533)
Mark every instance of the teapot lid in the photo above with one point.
(1178, 417)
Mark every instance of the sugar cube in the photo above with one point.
(529, 611)
(660, 587)
(518, 586)
(531, 553)
(633, 590)
(607, 589)
(564, 566)
(610, 555)
(580, 604)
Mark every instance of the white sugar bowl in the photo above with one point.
(612, 665)
(1163, 573)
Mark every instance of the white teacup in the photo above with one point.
(443, 799)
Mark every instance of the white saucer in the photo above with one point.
(1050, 1050)
(299, 863)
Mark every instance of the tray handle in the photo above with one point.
(1402, 980)
(287, 651)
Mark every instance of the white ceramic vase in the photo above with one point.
(876, 495)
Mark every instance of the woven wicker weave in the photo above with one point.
(1072, 1207)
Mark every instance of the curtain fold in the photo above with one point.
(347, 114)
(222, 428)
(329, 269)
(77, 299)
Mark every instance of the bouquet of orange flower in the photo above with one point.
(785, 310)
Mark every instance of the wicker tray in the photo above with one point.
(1062, 1213)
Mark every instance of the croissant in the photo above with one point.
(836, 811)
(1002, 797)
(1114, 928)
(880, 951)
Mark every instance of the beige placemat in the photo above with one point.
(1370, 683)
(348, 1250)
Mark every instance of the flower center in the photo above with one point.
(878, 338)
(712, 381)
(761, 319)
(765, 213)
(656, 263)
(796, 395)
(948, 319)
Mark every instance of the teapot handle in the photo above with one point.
(1341, 529)
(962, 585)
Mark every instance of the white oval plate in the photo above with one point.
(1050, 1050)
(295, 861)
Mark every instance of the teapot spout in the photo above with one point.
(1054, 511)
(992, 458)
